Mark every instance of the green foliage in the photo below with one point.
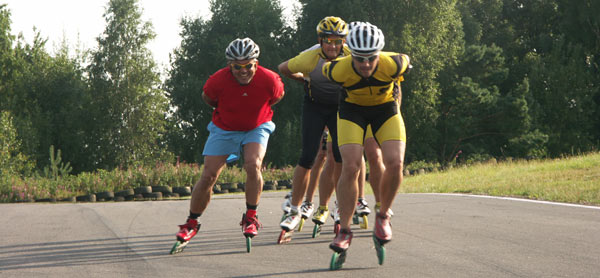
(127, 109)
(530, 145)
(15, 188)
(491, 78)
(12, 161)
(57, 168)
(421, 164)
(564, 106)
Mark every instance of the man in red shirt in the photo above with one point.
(242, 94)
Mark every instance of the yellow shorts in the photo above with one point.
(354, 122)
(368, 134)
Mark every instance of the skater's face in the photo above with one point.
(243, 70)
(332, 46)
(365, 65)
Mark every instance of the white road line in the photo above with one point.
(513, 199)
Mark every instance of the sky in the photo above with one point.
(80, 22)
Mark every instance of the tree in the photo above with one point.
(12, 160)
(127, 109)
(563, 102)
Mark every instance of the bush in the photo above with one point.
(17, 188)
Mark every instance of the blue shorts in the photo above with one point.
(225, 142)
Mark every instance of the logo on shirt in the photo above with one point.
(244, 94)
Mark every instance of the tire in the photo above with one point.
(86, 198)
(46, 200)
(125, 193)
(183, 191)
(142, 190)
(106, 195)
(171, 195)
(154, 196)
(69, 200)
(163, 189)
(119, 199)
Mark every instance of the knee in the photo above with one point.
(252, 167)
(351, 166)
(395, 166)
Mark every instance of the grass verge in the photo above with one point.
(570, 180)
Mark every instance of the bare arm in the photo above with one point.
(209, 101)
(276, 100)
(283, 69)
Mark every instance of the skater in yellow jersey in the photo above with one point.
(370, 78)
(319, 108)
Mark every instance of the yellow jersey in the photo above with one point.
(378, 88)
(310, 63)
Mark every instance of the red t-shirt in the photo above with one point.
(243, 107)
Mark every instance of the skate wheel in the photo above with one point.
(301, 224)
(337, 260)
(336, 228)
(248, 244)
(316, 231)
(284, 237)
(380, 250)
(178, 247)
(365, 222)
(355, 219)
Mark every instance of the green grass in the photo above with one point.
(571, 180)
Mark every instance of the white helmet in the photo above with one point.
(242, 49)
(364, 38)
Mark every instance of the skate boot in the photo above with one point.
(288, 225)
(186, 232)
(306, 210)
(286, 205)
(378, 206)
(335, 214)
(340, 245)
(319, 219)
(360, 214)
(250, 227)
(382, 234)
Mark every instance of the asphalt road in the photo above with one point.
(434, 236)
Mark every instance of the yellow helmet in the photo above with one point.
(332, 25)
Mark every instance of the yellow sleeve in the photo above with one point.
(305, 62)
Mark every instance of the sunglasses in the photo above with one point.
(333, 41)
(363, 59)
(247, 66)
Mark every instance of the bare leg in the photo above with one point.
(253, 158)
(213, 165)
(362, 178)
(393, 159)
(315, 175)
(347, 187)
(299, 184)
(376, 167)
(329, 177)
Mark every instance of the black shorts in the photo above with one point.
(315, 116)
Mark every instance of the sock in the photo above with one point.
(378, 204)
(323, 208)
(194, 215)
(249, 206)
(294, 209)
